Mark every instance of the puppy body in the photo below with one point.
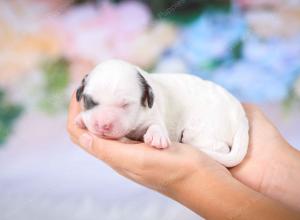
(202, 114)
(175, 107)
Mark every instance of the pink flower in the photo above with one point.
(26, 37)
(97, 33)
(258, 3)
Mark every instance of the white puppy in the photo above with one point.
(121, 100)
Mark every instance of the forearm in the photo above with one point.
(223, 197)
(283, 181)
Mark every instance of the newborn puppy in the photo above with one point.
(121, 100)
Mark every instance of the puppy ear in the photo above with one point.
(79, 91)
(147, 98)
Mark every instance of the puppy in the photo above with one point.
(121, 100)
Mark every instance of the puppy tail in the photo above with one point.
(238, 150)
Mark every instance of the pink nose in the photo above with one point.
(107, 127)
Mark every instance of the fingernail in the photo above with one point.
(85, 140)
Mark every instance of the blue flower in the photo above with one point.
(206, 42)
(266, 72)
(250, 82)
(262, 70)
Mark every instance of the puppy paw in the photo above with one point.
(156, 137)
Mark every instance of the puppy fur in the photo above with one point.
(121, 100)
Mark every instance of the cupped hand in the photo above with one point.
(153, 168)
(269, 157)
(266, 149)
(159, 168)
(271, 165)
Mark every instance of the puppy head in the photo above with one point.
(113, 97)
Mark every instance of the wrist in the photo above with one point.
(206, 188)
(195, 191)
(199, 167)
(281, 180)
(204, 193)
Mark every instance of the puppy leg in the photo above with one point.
(220, 147)
(157, 136)
(211, 147)
(206, 143)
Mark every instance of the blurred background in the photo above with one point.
(251, 47)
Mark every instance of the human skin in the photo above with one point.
(272, 165)
(263, 186)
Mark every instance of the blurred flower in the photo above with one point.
(280, 22)
(92, 34)
(26, 37)
(220, 47)
(258, 3)
(148, 47)
(252, 82)
(171, 65)
(279, 55)
(79, 68)
(96, 33)
(208, 41)
(266, 3)
(282, 17)
(264, 73)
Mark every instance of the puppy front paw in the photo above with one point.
(156, 137)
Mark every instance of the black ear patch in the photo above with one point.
(88, 102)
(147, 98)
(79, 91)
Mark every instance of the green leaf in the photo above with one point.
(56, 75)
(237, 49)
(8, 114)
(56, 78)
(185, 11)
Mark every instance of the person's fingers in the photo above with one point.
(255, 114)
(258, 120)
(118, 154)
(249, 106)
(251, 110)
(74, 107)
(74, 111)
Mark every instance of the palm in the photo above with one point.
(264, 144)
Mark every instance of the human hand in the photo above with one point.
(271, 165)
(153, 168)
(188, 175)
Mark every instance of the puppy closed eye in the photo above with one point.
(125, 105)
(88, 102)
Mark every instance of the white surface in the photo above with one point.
(44, 176)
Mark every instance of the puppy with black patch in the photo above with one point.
(121, 100)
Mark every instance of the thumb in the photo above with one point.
(86, 141)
